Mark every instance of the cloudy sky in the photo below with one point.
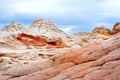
(72, 16)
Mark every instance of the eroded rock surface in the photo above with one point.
(14, 27)
(30, 40)
(51, 54)
(44, 27)
(116, 28)
(95, 62)
(102, 30)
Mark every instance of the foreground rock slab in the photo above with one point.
(100, 61)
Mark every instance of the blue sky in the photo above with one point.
(72, 16)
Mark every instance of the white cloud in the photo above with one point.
(59, 8)
(111, 8)
(37, 7)
(77, 8)
(68, 28)
(69, 12)
(33, 7)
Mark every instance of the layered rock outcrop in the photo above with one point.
(44, 27)
(99, 61)
(14, 27)
(116, 28)
(43, 52)
(101, 30)
(30, 40)
(86, 39)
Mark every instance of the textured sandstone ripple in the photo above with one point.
(95, 62)
(31, 54)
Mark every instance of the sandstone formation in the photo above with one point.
(86, 39)
(43, 52)
(14, 27)
(101, 30)
(95, 62)
(40, 41)
(44, 27)
(116, 28)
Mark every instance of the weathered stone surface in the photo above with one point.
(28, 68)
(30, 40)
(47, 73)
(96, 62)
(14, 27)
(116, 28)
(92, 70)
(44, 27)
(90, 53)
(97, 59)
(86, 39)
(101, 30)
